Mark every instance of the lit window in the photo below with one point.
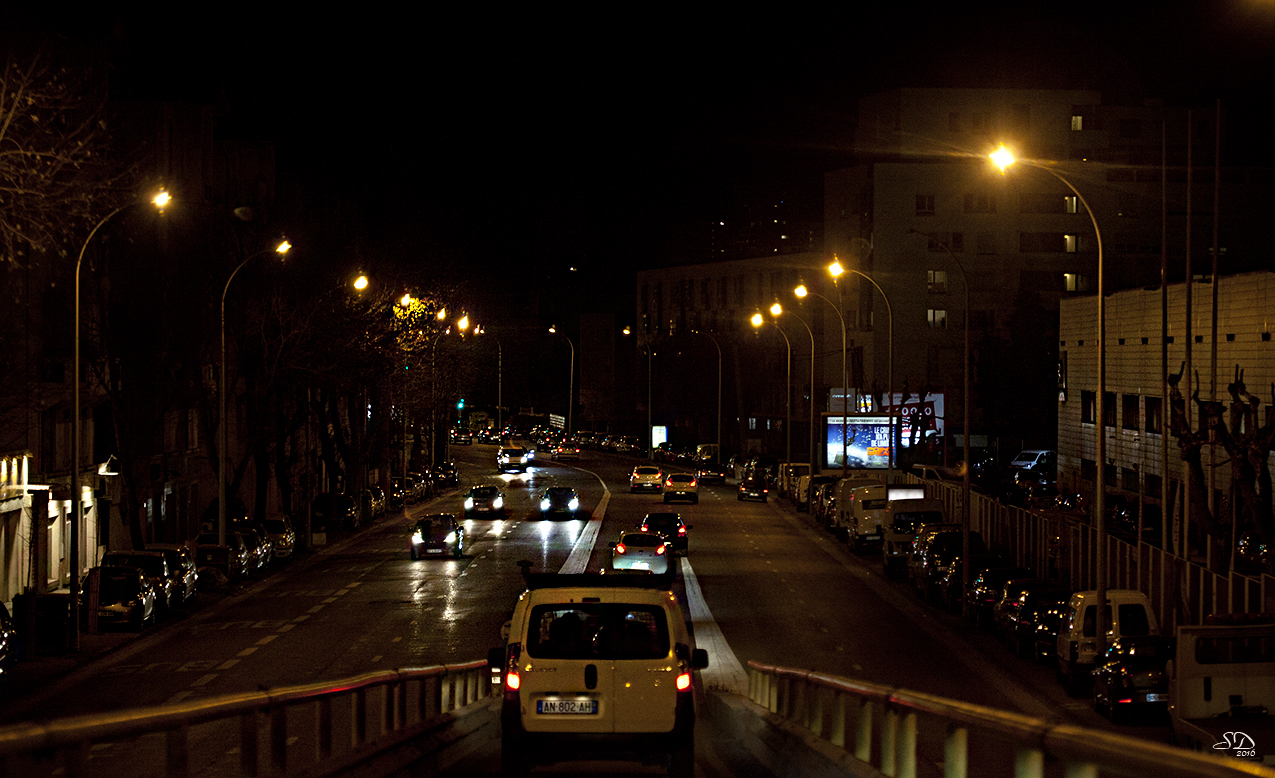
(937, 318)
(1077, 123)
(1070, 204)
(1071, 243)
(936, 281)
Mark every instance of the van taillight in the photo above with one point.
(683, 681)
(512, 680)
(619, 548)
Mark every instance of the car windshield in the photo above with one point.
(646, 471)
(560, 492)
(661, 522)
(641, 540)
(512, 452)
(118, 588)
(681, 478)
(598, 631)
(483, 491)
(433, 528)
(151, 565)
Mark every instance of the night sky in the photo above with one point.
(523, 142)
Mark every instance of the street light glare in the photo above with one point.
(442, 313)
(406, 300)
(776, 309)
(757, 320)
(801, 291)
(463, 323)
(835, 269)
(1003, 157)
(283, 247)
(360, 283)
(162, 199)
(552, 329)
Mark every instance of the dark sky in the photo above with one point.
(514, 138)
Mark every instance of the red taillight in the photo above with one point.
(694, 483)
(619, 548)
(1125, 701)
(659, 549)
(512, 680)
(643, 528)
(683, 681)
(669, 482)
(681, 530)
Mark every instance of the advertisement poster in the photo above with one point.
(868, 435)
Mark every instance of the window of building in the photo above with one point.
(1109, 409)
(723, 293)
(936, 281)
(1129, 412)
(1077, 123)
(1109, 473)
(1040, 242)
(925, 205)
(1070, 204)
(1129, 479)
(1088, 470)
(953, 240)
(982, 319)
(1154, 421)
(937, 318)
(1130, 128)
(1071, 243)
(1075, 282)
(978, 202)
(706, 293)
(1087, 406)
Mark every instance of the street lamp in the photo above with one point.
(758, 321)
(811, 333)
(802, 292)
(160, 201)
(1003, 158)
(837, 269)
(965, 414)
(222, 443)
(571, 378)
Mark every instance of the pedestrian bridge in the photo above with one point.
(441, 719)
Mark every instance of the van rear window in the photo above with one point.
(598, 631)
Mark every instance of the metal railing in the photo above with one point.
(305, 729)
(879, 726)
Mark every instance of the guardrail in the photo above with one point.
(878, 725)
(312, 729)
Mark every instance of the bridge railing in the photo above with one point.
(878, 725)
(295, 730)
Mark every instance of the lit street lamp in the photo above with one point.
(571, 378)
(802, 292)
(160, 201)
(1003, 158)
(223, 445)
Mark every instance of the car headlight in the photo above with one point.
(523, 459)
(499, 502)
(417, 538)
(574, 504)
(469, 503)
(451, 537)
(544, 504)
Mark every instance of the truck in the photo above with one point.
(1222, 688)
(863, 503)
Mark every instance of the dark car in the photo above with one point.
(1131, 676)
(670, 527)
(753, 488)
(484, 499)
(437, 535)
(8, 644)
(154, 565)
(1026, 615)
(952, 586)
(937, 556)
(462, 437)
(559, 499)
(986, 587)
(1048, 623)
(1008, 602)
(235, 559)
(125, 598)
(710, 472)
(445, 475)
(335, 511)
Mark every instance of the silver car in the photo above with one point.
(638, 550)
(646, 477)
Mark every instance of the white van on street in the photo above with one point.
(905, 516)
(1129, 612)
(861, 515)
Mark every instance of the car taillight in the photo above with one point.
(694, 482)
(681, 530)
(619, 548)
(683, 681)
(512, 680)
(643, 527)
(659, 549)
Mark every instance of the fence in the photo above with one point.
(885, 728)
(311, 729)
(1182, 592)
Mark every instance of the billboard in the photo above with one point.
(868, 434)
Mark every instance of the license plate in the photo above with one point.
(434, 551)
(641, 566)
(871, 537)
(572, 707)
(1157, 698)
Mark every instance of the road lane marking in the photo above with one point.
(578, 560)
(266, 640)
(724, 670)
(205, 680)
(229, 663)
(248, 651)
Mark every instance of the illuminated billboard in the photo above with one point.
(868, 434)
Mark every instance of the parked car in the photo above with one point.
(484, 499)
(681, 486)
(1130, 614)
(1025, 615)
(283, 537)
(437, 535)
(937, 555)
(125, 598)
(258, 540)
(1132, 678)
(559, 499)
(181, 566)
(637, 550)
(234, 558)
(445, 475)
(372, 502)
(424, 485)
(335, 511)
(1011, 598)
(1048, 623)
(646, 478)
(154, 566)
(951, 594)
(985, 588)
(670, 527)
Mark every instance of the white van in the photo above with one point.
(789, 474)
(1129, 612)
(905, 516)
(861, 512)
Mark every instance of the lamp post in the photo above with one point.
(159, 201)
(571, 378)
(811, 333)
(758, 321)
(837, 269)
(223, 422)
(719, 388)
(802, 292)
(1003, 158)
(965, 415)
